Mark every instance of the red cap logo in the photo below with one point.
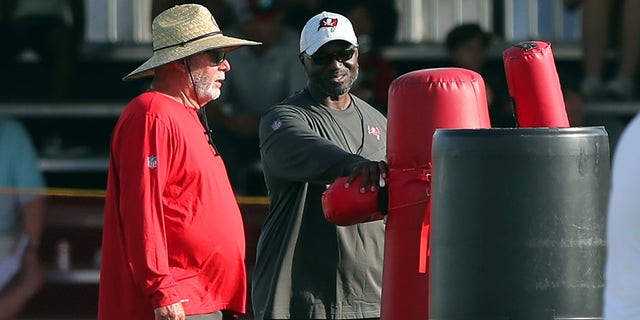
(328, 23)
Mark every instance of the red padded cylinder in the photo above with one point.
(534, 85)
(419, 103)
(347, 206)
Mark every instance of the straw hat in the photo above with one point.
(182, 31)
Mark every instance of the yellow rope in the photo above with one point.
(252, 200)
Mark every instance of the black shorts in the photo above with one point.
(209, 316)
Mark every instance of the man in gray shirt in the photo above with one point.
(308, 268)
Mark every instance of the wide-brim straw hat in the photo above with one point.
(182, 31)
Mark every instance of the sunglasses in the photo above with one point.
(327, 58)
(216, 56)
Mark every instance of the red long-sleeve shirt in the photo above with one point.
(172, 228)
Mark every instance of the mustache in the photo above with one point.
(338, 73)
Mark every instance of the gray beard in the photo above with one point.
(337, 91)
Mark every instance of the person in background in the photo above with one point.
(53, 30)
(297, 12)
(262, 76)
(467, 47)
(376, 72)
(603, 24)
(579, 117)
(22, 212)
(306, 267)
(173, 243)
(622, 267)
(221, 9)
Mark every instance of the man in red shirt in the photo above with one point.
(173, 242)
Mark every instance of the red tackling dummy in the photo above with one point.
(534, 85)
(419, 103)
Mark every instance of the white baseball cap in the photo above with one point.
(325, 27)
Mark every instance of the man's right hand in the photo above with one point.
(372, 172)
(170, 312)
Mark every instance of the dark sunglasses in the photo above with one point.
(216, 55)
(327, 58)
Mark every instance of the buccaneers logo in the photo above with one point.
(328, 23)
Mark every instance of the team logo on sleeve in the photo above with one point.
(276, 124)
(152, 162)
(374, 131)
(330, 23)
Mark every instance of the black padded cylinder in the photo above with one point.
(518, 222)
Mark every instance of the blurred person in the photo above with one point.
(22, 211)
(599, 20)
(54, 30)
(376, 72)
(579, 117)
(467, 47)
(221, 9)
(297, 12)
(307, 267)
(622, 267)
(262, 76)
(173, 244)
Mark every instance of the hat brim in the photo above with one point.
(316, 45)
(171, 54)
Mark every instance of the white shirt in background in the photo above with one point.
(622, 274)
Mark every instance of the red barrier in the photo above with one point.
(534, 85)
(419, 103)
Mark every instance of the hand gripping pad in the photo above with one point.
(347, 206)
